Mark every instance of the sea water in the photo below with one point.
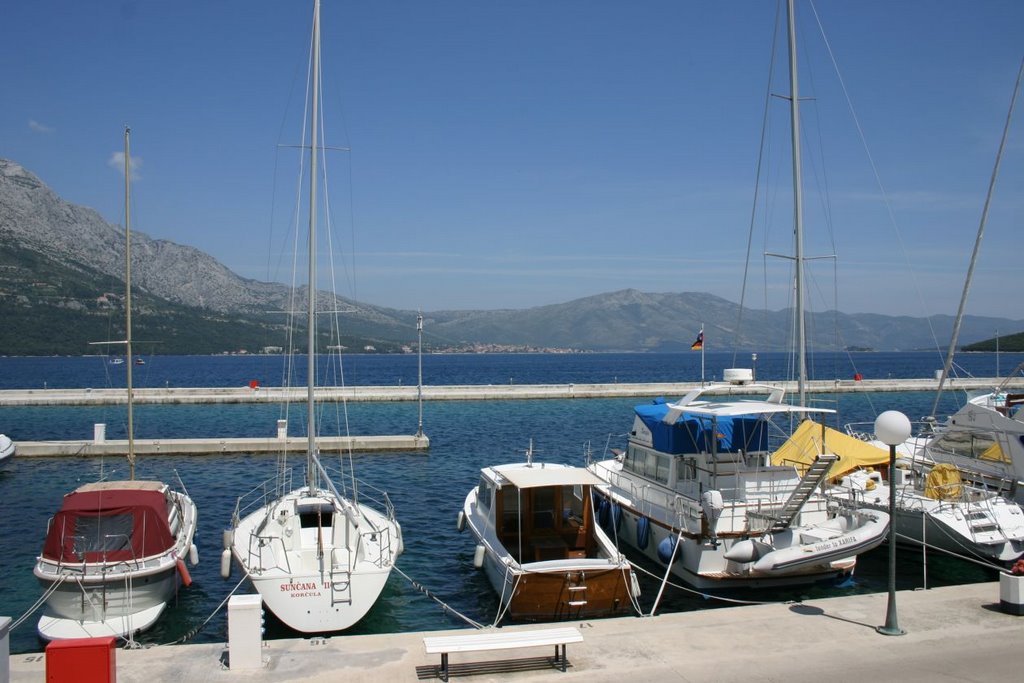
(427, 489)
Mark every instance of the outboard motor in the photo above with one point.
(711, 504)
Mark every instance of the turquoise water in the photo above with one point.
(427, 490)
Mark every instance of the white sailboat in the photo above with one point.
(115, 552)
(699, 491)
(318, 559)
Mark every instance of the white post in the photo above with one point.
(5, 649)
(245, 632)
(282, 429)
(99, 433)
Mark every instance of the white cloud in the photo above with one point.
(39, 127)
(116, 162)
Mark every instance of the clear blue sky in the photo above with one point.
(514, 154)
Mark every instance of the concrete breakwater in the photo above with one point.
(468, 392)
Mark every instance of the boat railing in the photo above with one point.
(258, 544)
(865, 431)
(261, 495)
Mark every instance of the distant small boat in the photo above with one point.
(6, 448)
(139, 361)
(117, 361)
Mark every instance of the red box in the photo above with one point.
(82, 660)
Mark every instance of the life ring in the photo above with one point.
(643, 532)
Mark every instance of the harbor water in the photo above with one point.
(426, 489)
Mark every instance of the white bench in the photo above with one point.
(502, 640)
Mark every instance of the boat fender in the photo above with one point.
(186, 578)
(478, 556)
(460, 521)
(193, 555)
(225, 564)
(665, 548)
(643, 532)
(228, 538)
(617, 516)
(602, 512)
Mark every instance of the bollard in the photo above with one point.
(99, 433)
(282, 429)
(245, 632)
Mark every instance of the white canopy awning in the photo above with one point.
(525, 477)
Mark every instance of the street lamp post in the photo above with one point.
(892, 428)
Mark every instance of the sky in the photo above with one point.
(517, 154)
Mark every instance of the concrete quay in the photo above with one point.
(952, 634)
(474, 392)
(151, 447)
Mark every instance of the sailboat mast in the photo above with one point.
(948, 364)
(798, 212)
(311, 313)
(128, 295)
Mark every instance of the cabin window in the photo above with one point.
(106, 534)
(543, 508)
(572, 503)
(483, 494)
(661, 468)
(510, 509)
(686, 469)
(634, 460)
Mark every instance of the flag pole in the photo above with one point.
(702, 355)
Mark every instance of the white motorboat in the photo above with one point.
(318, 559)
(7, 449)
(115, 552)
(539, 543)
(934, 505)
(113, 558)
(697, 491)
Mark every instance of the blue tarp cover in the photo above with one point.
(692, 434)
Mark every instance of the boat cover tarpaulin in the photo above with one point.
(943, 482)
(109, 525)
(805, 444)
(693, 434)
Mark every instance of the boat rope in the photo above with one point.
(39, 602)
(966, 557)
(192, 633)
(505, 605)
(444, 606)
(707, 596)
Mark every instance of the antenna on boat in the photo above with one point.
(128, 294)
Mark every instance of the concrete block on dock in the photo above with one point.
(1011, 593)
(282, 429)
(245, 632)
(99, 433)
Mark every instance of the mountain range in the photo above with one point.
(61, 286)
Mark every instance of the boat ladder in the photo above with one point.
(341, 579)
(576, 587)
(808, 484)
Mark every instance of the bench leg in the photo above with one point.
(563, 658)
(444, 666)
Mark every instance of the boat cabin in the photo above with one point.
(540, 512)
